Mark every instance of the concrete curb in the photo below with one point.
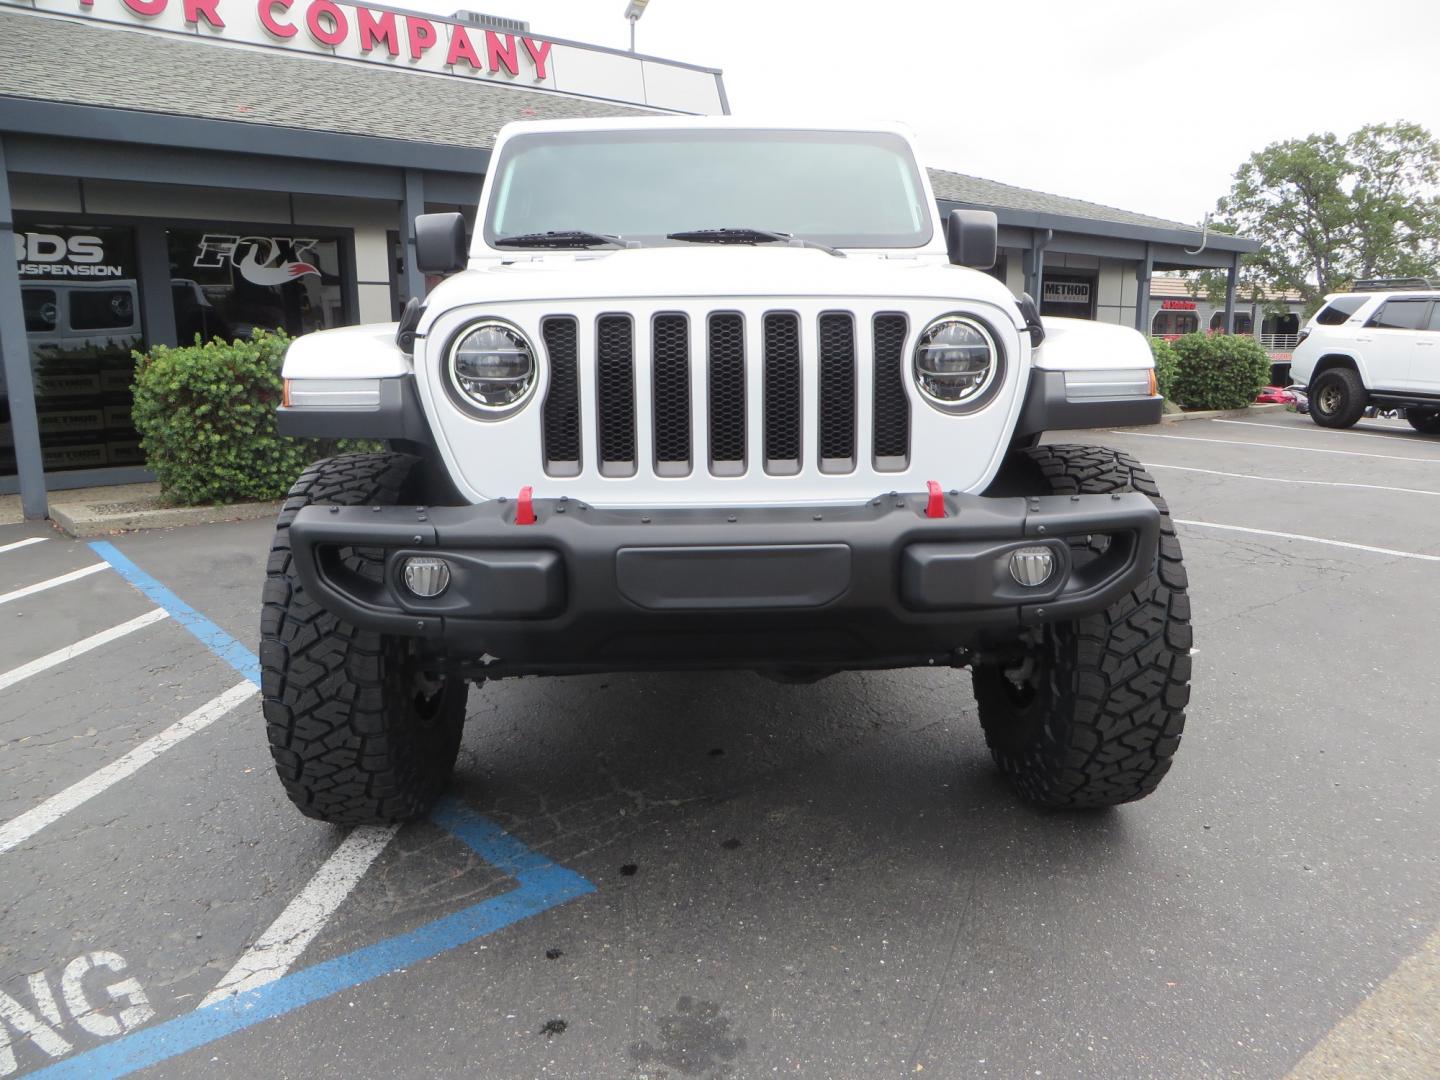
(1219, 414)
(83, 521)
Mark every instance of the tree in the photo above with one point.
(1331, 210)
(1397, 214)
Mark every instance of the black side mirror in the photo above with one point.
(972, 237)
(440, 246)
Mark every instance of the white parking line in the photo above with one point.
(281, 945)
(1317, 428)
(1311, 539)
(23, 543)
(94, 641)
(19, 829)
(41, 586)
(1276, 446)
(1291, 480)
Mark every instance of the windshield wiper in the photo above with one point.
(743, 235)
(565, 238)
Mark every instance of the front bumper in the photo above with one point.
(585, 589)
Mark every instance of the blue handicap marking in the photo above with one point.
(210, 635)
(540, 885)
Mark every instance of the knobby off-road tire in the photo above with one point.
(1423, 421)
(1093, 715)
(1337, 398)
(360, 733)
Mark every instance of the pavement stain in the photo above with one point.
(552, 1028)
(695, 1041)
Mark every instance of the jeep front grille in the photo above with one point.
(615, 387)
(892, 407)
(715, 397)
(562, 403)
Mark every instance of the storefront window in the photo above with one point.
(1071, 296)
(226, 284)
(1244, 322)
(1170, 324)
(80, 296)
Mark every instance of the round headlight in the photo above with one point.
(492, 367)
(956, 361)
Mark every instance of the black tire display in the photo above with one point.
(1091, 715)
(1427, 422)
(359, 731)
(1337, 398)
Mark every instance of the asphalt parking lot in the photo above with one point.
(718, 876)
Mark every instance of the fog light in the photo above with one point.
(425, 576)
(1032, 566)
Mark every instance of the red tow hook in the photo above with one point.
(935, 505)
(525, 506)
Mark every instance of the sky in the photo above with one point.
(1146, 106)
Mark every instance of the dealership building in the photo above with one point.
(179, 167)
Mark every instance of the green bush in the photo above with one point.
(1221, 371)
(206, 418)
(1166, 364)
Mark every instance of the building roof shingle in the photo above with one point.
(958, 187)
(87, 64)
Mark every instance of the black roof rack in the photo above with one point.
(1390, 284)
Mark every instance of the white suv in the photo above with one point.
(1378, 345)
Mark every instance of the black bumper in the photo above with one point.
(584, 589)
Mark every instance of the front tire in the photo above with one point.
(1337, 398)
(1091, 712)
(360, 731)
(1427, 422)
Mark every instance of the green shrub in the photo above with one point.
(206, 418)
(1166, 364)
(1223, 371)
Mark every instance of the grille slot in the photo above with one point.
(561, 420)
(615, 394)
(727, 394)
(782, 393)
(837, 392)
(671, 380)
(892, 407)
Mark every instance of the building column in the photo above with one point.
(1033, 263)
(1142, 291)
(15, 354)
(157, 299)
(411, 207)
(1231, 276)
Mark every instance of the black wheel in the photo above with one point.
(1427, 422)
(1337, 398)
(1089, 712)
(360, 731)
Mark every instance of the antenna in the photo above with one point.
(1204, 237)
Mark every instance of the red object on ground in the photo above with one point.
(525, 508)
(1274, 395)
(935, 505)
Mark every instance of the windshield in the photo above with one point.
(846, 189)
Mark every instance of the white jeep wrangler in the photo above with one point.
(706, 394)
(1378, 345)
